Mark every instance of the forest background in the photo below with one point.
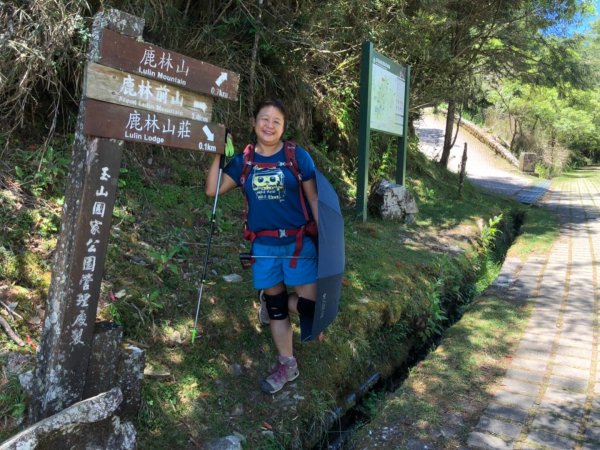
(517, 62)
(513, 66)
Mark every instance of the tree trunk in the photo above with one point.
(457, 127)
(463, 170)
(514, 134)
(448, 134)
(252, 83)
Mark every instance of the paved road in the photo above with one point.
(550, 396)
(484, 168)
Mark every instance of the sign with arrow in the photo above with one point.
(202, 106)
(137, 92)
(222, 77)
(132, 124)
(209, 134)
(114, 86)
(141, 58)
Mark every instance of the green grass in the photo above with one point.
(402, 285)
(13, 401)
(537, 234)
(447, 389)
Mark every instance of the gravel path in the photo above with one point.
(550, 396)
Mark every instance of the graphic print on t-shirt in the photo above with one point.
(268, 184)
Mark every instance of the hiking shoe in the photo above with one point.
(280, 376)
(263, 314)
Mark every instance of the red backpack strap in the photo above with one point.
(247, 163)
(290, 159)
(246, 168)
(292, 163)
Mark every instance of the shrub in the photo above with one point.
(8, 264)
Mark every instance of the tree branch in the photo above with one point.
(11, 334)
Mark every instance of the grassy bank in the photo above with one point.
(444, 395)
(403, 285)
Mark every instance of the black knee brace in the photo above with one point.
(277, 306)
(306, 307)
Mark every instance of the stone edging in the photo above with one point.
(487, 139)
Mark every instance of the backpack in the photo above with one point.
(310, 228)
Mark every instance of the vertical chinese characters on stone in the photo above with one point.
(89, 260)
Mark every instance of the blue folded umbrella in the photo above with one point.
(331, 261)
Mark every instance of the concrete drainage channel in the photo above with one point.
(345, 418)
(349, 415)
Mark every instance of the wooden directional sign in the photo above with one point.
(156, 100)
(131, 124)
(114, 86)
(130, 55)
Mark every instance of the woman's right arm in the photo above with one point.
(227, 183)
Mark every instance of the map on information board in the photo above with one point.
(387, 95)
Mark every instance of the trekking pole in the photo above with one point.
(213, 220)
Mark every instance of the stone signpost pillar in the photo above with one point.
(133, 91)
(62, 359)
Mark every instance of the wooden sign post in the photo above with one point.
(133, 91)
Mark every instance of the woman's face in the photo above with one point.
(268, 125)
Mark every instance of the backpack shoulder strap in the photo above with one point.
(247, 163)
(291, 161)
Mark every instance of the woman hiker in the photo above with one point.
(281, 204)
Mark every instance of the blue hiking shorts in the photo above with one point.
(267, 272)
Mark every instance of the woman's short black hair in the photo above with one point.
(272, 101)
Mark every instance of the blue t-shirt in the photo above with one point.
(273, 193)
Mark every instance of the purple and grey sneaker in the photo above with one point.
(283, 373)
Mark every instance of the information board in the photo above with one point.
(384, 88)
(388, 88)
